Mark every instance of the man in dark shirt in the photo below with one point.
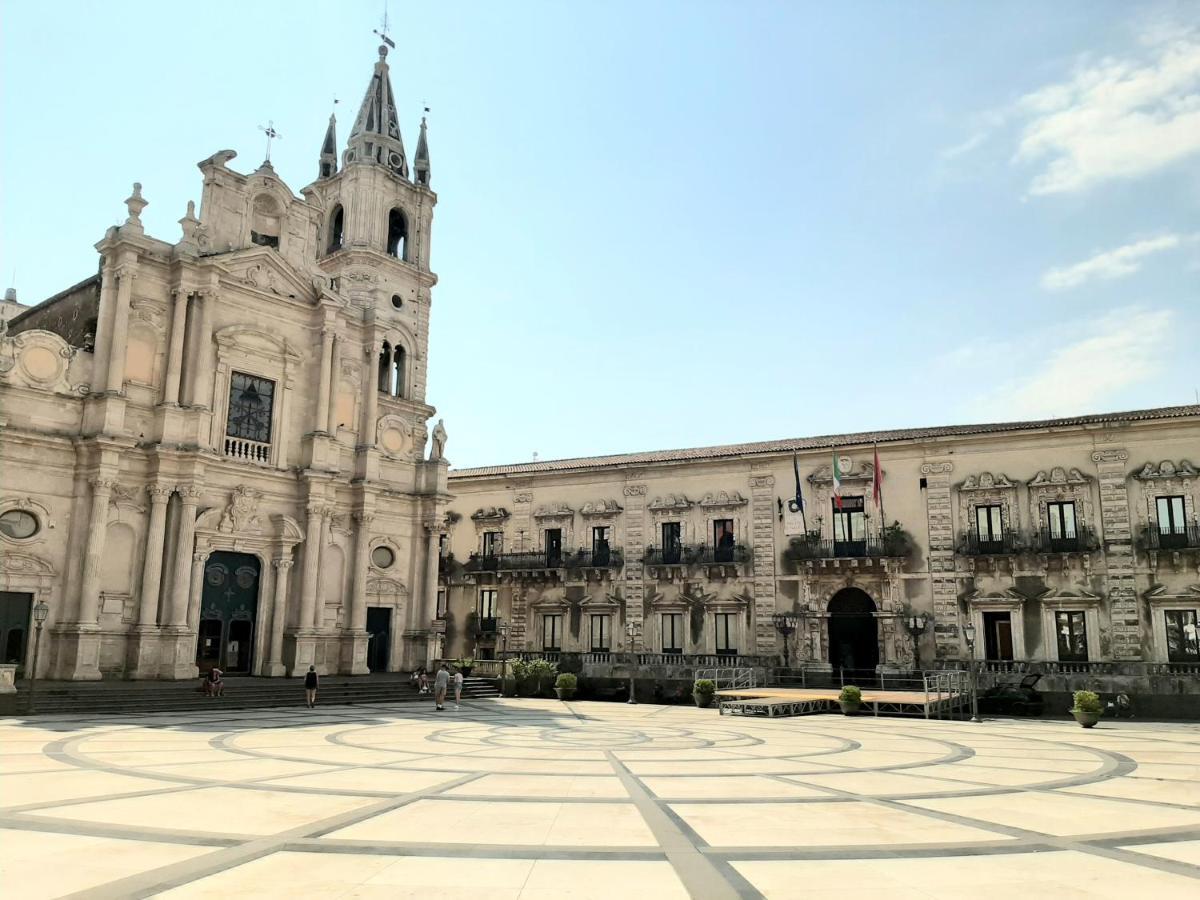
(310, 687)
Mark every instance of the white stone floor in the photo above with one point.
(541, 799)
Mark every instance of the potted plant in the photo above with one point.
(541, 676)
(1087, 709)
(565, 685)
(850, 699)
(466, 665)
(702, 692)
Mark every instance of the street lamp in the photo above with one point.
(502, 629)
(631, 633)
(40, 611)
(785, 623)
(916, 625)
(969, 634)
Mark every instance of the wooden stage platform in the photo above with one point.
(776, 702)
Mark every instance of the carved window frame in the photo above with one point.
(1153, 484)
(276, 361)
(1014, 606)
(988, 489)
(1160, 604)
(1089, 606)
(1071, 489)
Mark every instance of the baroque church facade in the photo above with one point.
(212, 453)
(218, 452)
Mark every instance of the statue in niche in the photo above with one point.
(437, 447)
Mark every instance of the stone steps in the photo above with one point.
(240, 693)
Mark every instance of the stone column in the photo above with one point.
(331, 406)
(370, 398)
(196, 590)
(152, 566)
(354, 641)
(181, 585)
(175, 347)
(283, 568)
(312, 558)
(89, 596)
(200, 368)
(120, 330)
(104, 320)
(635, 545)
(942, 577)
(322, 409)
(429, 601)
(1119, 557)
(762, 529)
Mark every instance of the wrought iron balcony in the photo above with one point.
(487, 625)
(1082, 541)
(1004, 543)
(1177, 537)
(546, 560)
(813, 548)
(603, 558)
(696, 555)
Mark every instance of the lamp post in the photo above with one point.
(785, 623)
(40, 611)
(631, 633)
(502, 629)
(969, 634)
(916, 625)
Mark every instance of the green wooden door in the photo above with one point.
(228, 613)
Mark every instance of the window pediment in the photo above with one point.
(599, 509)
(554, 511)
(1058, 476)
(670, 503)
(490, 516)
(723, 500)
(1166, 470)
(986, 481)
(851, 471)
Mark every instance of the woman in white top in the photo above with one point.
(458, 683)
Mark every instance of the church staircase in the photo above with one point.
(150, 697)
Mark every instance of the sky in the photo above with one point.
(673, 224)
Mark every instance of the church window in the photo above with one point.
(397, 301)
(265, 221)
(391, 369)
(250, 402)
(382, 557)
(398, 371)
(337, 221)
(397, 238)
(385, 368)
(18, 524)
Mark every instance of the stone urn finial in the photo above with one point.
(135, 204)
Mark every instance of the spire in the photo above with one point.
(328, 164)
(375, 137)
(421, 160)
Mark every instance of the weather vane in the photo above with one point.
(383, 34)
(271, 133)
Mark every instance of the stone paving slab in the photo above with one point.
(541, 799)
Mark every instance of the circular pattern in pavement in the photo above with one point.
(548, 798)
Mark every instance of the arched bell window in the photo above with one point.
(392, 361)
(385, 368)
(397, 240)
(398, 371)
(265, 219)
(337, 223)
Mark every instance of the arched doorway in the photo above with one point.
(853, 632)
(228, 612)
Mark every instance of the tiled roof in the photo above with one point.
(820, 442)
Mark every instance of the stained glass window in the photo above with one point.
(250, 402)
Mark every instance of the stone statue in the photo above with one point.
(437, 448)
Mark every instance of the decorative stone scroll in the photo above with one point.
(1166, 470)
(670, 503)
(600, 509)
(241, 513)
(554, 511)
(723, 500)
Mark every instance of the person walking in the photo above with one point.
(440, 683)
(458, 684)
(310, 687)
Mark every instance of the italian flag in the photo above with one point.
(837, 482)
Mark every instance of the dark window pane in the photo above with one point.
(250, 401)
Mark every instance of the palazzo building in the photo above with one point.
(1071, 541)
(212, 452)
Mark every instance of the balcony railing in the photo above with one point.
(996, 544)
(696, 555)
(868, 548)
(1082, 541)
(248, 451)
(1178, 537)
(544, 560)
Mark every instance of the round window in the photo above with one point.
(383, 557)
(16, 523)
(397, 301)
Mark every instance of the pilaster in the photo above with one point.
(762, 531)
(635, 547)
(1119, 554)
(942, 578)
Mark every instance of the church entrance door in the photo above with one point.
(379, 627)
(228, 611)
(15, 612)
(853, 635)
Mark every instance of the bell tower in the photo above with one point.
(374, 236)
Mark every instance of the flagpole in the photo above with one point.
(879, 488)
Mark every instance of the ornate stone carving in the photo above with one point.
(1166, 469)
(985, 481)
(241, 514)
(554, 511)
(762, 481)
(1110, 456)
(600, 509)
(437, 446)
(635, 490)
(1058, 476)
(937, 468)
(853, 472)
(670, 503)
(125, 497)
(490, 515)
(722, 500)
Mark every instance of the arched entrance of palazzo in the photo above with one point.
(229, 612)
(853, 631)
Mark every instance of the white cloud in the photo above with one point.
(1108, 265)
(965, 147)
(1121, 349)
(1115, 118)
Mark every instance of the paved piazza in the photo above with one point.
(541, 799)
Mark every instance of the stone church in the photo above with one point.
(218, 452)
(213, 451)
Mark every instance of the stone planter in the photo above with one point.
(849, 708)
(704, 701)
(564, 693)
(1085, 717)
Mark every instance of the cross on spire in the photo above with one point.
(382, 31)
(271, 133)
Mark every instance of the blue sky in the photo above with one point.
(677, 224)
